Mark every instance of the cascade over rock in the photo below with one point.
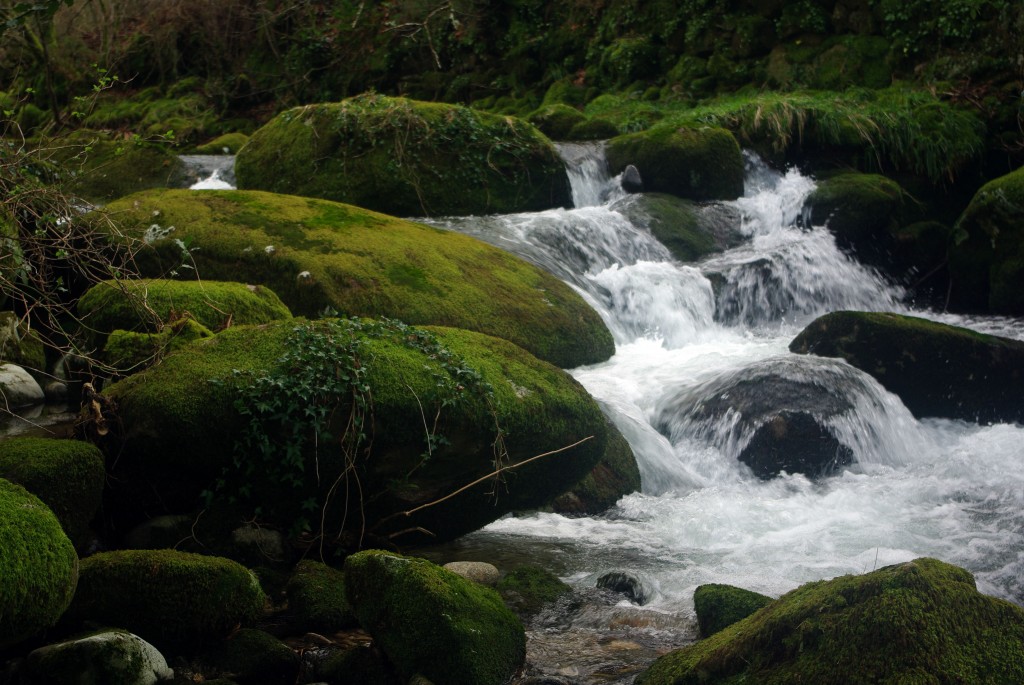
(936, 369)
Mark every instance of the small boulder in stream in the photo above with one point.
(936, 369)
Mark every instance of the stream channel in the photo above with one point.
(946, 489)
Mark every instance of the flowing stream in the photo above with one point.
(940, 488)
(946, 489)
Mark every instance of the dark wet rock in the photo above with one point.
(632, 587)
(616, 475)
(689, 230)
(253, 657)
(631, 181)
(936, 369)
(527, 589)
(719, 606)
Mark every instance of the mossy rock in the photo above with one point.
(692, 163)
(111, 657)
(227, 144)
(19, 346)
(174, 600)
(362, 665)
(38, 565)
(528, 589)
(67, 475)
(863, 211)
(922, 621)
(614, 477)
(595, 128)
(180, 424)
(934, 368)
(129, 351)
(146, 305)
(555, 121)
(719, 606)
(316, 254)
(433, 622)
(406, 158)
(689, 230)
(986, 262)
(316, 598)
(253, 657)
(106, 167)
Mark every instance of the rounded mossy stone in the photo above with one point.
(253, 657)
(174, 600)
(316, 598)
(111, 657)
(555, 121)
(316, 254)
(692, 163)
(67, 475)
(129, 351)
(179, 422)
(595, 128)
(18, 345)
(912, 356)
(920, 621)
(433, 622)
(527, 589)
(615, 476)
(362, 665)
(719, 606)
(227, 144)
(406, 158)
(863, 212)
(689, 230)
(986, 259)
(38, 565)
(147, 305)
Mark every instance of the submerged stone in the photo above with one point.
(921, 621)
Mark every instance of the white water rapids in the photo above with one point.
(946, 489)
(939, 488)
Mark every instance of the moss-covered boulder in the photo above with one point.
(253, 657)
(986, 262)
(316, 254)
(936, 369)
(863, 212)
(67, 475)
(146, 305)
(614, 477)
(405, 158)
(689, 230)
(20, 346)
(719, 606)
(111, 657)
(430, 621)
(174, 600)
(557, 120)
(922, 622)
(38, 565)
(316, 598)
(130, 351)
(265, 411)
(227, 144)
(527, 589)
(689, 162)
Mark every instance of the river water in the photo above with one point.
(946, 489)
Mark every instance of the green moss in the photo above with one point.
(129, 351)
(430, 621)
(111, 657)
(555, 121)
(596, 128)
(20, 346)
(318, 254)
(171, 599)
(253, 657)
(149, 305)
(38, 565)
(988, 247)
(719, 606)
(405, 158)
(922, 621)
(863, 211)
(528, 589)
(316, 598)
(674, 222)
(226, 144)
(67, 475)
(693, 163)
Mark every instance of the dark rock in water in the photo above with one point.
(688, 229)
(626, 584)
(615, 476)
(631, 181)
(921, 621)
(719, 606)
(936, 369)
(528, 589)
(253, 657)
(773, 416)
